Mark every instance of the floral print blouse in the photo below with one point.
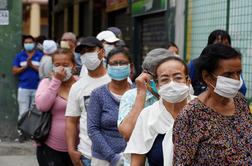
(202, 136)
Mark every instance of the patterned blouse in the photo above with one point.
(202, 136)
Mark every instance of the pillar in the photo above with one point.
(35, 20)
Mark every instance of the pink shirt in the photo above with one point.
(46, 99)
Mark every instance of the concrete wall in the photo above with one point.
(10, 44)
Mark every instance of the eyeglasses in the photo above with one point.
(118, 63)
(179, 78)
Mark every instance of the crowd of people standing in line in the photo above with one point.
(173, 113)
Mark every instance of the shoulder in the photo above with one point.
(241, 102)
(81, 83)
(77, 87)
(38, 53)
(20, 54)
(193, 110)
(130, 94)
(240, 97)
(45, 81)
(191, 63)
(100, 90)
(149, 109)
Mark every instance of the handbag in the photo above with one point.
(35, 124)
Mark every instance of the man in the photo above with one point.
(25, 66)
(92, 53)
(68, 41)
(108, 40)
(119, 35)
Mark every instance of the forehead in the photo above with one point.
(119, 56)
(57, 58)
(170, 67)
(172, 48)
(67, 37)
(229, 65)
(28, 40)
(89, 49)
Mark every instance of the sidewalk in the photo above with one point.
(13, 154)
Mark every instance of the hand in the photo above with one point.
(60, 73)
(141, 82)
(118, 160)
(29, 62)
(75, 157)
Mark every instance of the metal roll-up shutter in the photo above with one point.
(122, 21)
(153, 33)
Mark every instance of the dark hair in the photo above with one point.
(118, 50)
(171, 44)
(210, 57)
(65, 52)
(40, 39)
(216, 34)
(27, 37)
(172, 58)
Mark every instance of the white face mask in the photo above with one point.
(90, 60)
(68, 71)
(64, 44)
(174, 92)
(227, 87)
(108, 48)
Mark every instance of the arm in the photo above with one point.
(72, 124)
(46, 93)
(94, 112)
(185, 139)
(73, 113)
(137, 160)
(127, 125)
(17, 70)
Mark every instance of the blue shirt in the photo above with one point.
(128, 101)
(102, 113)
(29, 78)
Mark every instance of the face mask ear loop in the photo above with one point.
(152, 91)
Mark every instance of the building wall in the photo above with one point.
(231, 15)
(89, 17)
(10, 44)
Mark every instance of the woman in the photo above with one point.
(52, 95)
(152, 135)
(102, 112)
(216, 127)
(216, 36)
(25, 66)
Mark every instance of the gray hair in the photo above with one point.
(153, 58)
(69, 35)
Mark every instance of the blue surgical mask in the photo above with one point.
(29, 46)
(119, 72)
(153, 86)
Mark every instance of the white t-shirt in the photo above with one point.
(77, 103)
(83, 71)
